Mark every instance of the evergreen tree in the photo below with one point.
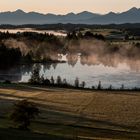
(59, 81)
(35, 76)
(99, 86)
(76, 82)
(52, 80)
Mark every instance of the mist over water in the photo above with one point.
(99, 52)
(58, 33)
(92, 72)
(89, 60)
(92, 52)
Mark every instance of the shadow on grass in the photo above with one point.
(15, 134)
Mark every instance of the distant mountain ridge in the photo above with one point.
(20, 17)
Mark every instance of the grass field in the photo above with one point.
(75, 114)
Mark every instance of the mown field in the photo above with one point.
(73, 114)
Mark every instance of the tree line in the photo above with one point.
(86, 35)
(37, 79)
(9, 56)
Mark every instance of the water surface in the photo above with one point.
(121, 73)
(21, 30)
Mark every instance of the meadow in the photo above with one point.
(73, 114)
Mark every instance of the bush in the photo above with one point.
(7, 82)
(23, 112)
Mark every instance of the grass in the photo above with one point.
(14, 134)
(75, 113)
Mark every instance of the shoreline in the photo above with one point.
(3, 84)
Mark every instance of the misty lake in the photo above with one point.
(115, 71)
(21, 30)
(88, 71)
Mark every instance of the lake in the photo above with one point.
(21, 30)
(90, 71)
(94, 65)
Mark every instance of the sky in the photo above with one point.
(66, 6)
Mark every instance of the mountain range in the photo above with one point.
(20, 17)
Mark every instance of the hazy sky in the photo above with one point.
(65, 6)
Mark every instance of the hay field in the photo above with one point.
(75, 113)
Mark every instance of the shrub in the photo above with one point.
(23, 112)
